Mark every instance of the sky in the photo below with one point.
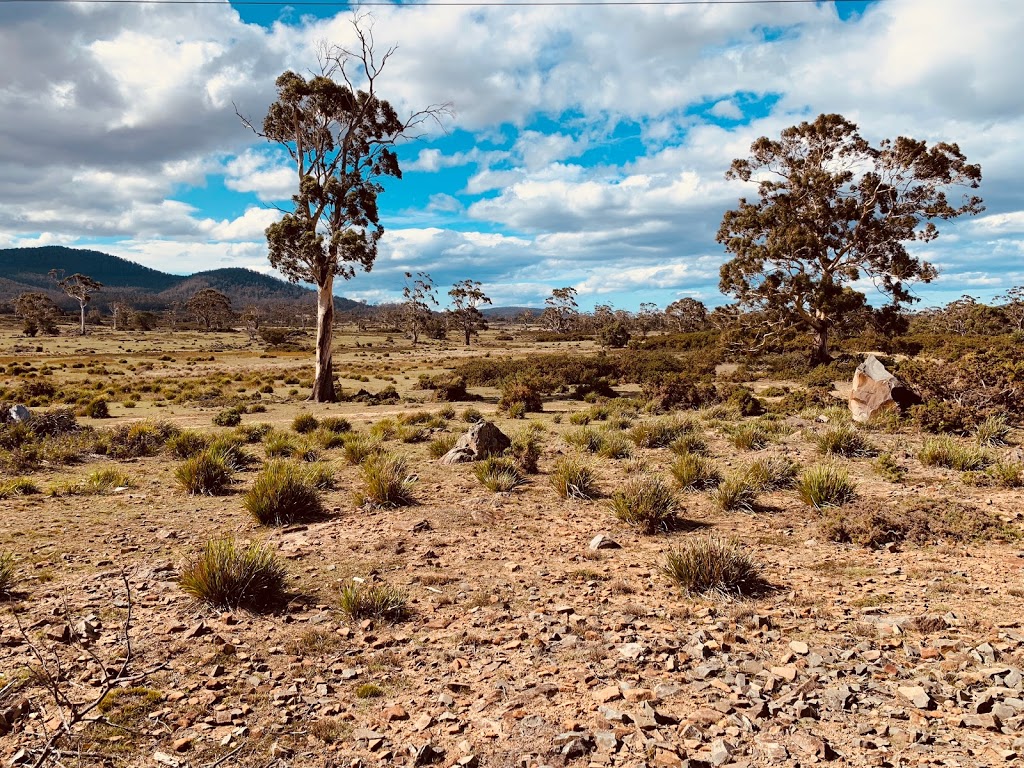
(587, 148)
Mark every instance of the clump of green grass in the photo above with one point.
(614, 445)
(659, 433)
(205, 474)
(227, 576)
(96, 483)
(280, 444)
(472, 416)
(584, 438)
(140, 438)
(369, 691)
(646, 502)
(335, 424)
(441, 444)
(252, 433)
(321, 476)
(385, 429)
(358, 448)
(574, 479)
(773, 473)
(18, 486)
(710, 565)
(326, 439)
(282, 494)
(689, 442)
(411, 434)
(736, 492)
(992, 432)
(825, 485)
(304, 423)
(380, 602)
(843, 440)
(947, 452)
(229, 417)
(188, 443)
(749, 437)
(386, 481)
(230, 449)
(499, 474)
(8, 575)
(695, 473)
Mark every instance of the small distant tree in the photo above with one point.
(38, 313)
(121, 312)
(614, 335)
(79, 287)
(418, 296)
(1013, 306)
(648, 318)
(562, 309)
(834, 210)
(210, 307)
(172, 314)
(253, 316)
(467, 298)
(686, 315)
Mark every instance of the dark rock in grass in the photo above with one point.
(482, 440)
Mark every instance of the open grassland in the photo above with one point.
(788, 587)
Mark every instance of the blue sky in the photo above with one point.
(588, 145)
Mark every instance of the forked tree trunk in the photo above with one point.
(819, 351)
(323, 382)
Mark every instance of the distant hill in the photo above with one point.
(25, 269)
(509, 313)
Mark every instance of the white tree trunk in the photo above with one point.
(323, 382)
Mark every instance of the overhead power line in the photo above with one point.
(421, 3)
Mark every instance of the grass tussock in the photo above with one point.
(614, 445)
(736, 492)
(825, 485)
(17, 486)
(8, 575)
(709, 565)
(386, 481)
(380, 602)
(188, 443)
(659, 433)
(947, 452)
(693, 472)
(96, 483)
(773, 473)
(992, 432)
(305, 423)
(843, 440)
(525, 449)
(573, 478)
(228, 576)
(646, 502)
(358, 448)
(206, 474)
(441, 444)
(282, 494)
(749, 437)
(499, 474)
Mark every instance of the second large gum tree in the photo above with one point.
(341, 136)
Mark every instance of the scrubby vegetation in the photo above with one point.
(227, 575)
(707, 564)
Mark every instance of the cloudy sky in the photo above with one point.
(587, 148)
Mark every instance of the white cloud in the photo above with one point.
(261, 172)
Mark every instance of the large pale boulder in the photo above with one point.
(19, 413)
(876, 390)
(483, 440)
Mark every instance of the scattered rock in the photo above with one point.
(482, 440)
(875, 390)
(603, 542)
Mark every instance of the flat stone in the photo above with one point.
(917, 696)
(603, 542)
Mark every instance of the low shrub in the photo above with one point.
(646, 502)
(942, 417)
(205, 474)
(888, 468)
(380, 602)
(227, 576)
(230, 449)
(693, 472)
(659, 433)
(614, 445)
(1008, 474)
(689, 442)
(825, 485)
(282, 494)
(252, 433)
(574, 479)
(97, 409)
(672, 391)
(472, 416)
(141, 438)
(707, 564)
(525, 450)
(920, 522)
(584, 438)
(521, 388)
(229, 417)
(386, 481)
(280, 444)
(745, 403)
(335, 424)
(321, 476)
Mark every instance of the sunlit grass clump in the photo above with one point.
(8, 574)
(380, 602)
(947, 452)
(282, 494)
(695, 473)
(386, 481)
(646, 502)
(499, 474)
(574, 479)
(205, 474)
(825, 485)
(227, 576)
(709, 565)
